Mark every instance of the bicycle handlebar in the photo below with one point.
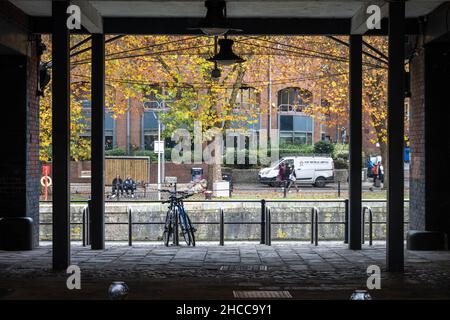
(173, 195)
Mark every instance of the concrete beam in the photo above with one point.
(359, 20)
(90, 17)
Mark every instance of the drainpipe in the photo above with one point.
(128, 126)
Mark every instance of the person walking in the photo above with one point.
(281, 173)
(292, 178)
(380, 172)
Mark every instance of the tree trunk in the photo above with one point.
(214, 174)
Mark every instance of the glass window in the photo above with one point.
(149, 140)
(285, 137)
(302, 123)
(300, 138)
(286, 123)
(150, 120)
(109, 142)
(293, 99)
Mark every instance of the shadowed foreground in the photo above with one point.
(152, 271)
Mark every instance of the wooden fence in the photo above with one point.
(136, 167)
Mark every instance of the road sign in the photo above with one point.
(159, 146)
(170, 180)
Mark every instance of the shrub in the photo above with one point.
(340, 151)
(324, 147)
(289, 149)
(115, 152)
(340, 163)
(147, 153)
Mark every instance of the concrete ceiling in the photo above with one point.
(235, 8)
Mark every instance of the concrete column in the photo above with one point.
(97, 204)
(395, 124)
(355, 142)
(61, 136)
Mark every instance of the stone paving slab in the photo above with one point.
(300, 265)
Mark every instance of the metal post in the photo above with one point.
(312, 225)
(88, 224)
(316, 227)
(61, 136)
(159, 157)
(339, 189)
(268, 227)
(346, 215)
(355, 148)
(284, 188)
(363, 224)
(130, 227)
(370, 226)
(98, 142)
(83, 231)
(221, 229)
(395, 124)
(263, 221)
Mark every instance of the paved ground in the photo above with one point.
(152, 271)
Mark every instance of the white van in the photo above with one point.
(317, 171)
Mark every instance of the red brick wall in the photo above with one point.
(19, 184)
(417, 143)
(33, 169)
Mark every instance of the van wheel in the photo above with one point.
(320, 182)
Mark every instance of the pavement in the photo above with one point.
(209, 271)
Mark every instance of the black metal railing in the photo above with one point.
(368, 209)
(265, 221)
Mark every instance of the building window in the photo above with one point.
(293, 100)
(109, 123)
(297, 129)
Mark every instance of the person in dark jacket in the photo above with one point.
(129, 186)
(117, 185)
(281, 174)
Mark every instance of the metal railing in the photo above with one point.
(315, 226)
(265, 221)
(368, 209)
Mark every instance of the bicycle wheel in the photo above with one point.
(168, 229)
(184, 226)
(191, 230)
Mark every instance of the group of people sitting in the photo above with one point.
(287, 176)
(118, 185)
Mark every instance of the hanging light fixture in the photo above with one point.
(226, 56)
(215, 23)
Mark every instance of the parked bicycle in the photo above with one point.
(177, 216)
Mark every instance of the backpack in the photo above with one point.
(375, 169)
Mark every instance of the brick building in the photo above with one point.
(283, 108)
